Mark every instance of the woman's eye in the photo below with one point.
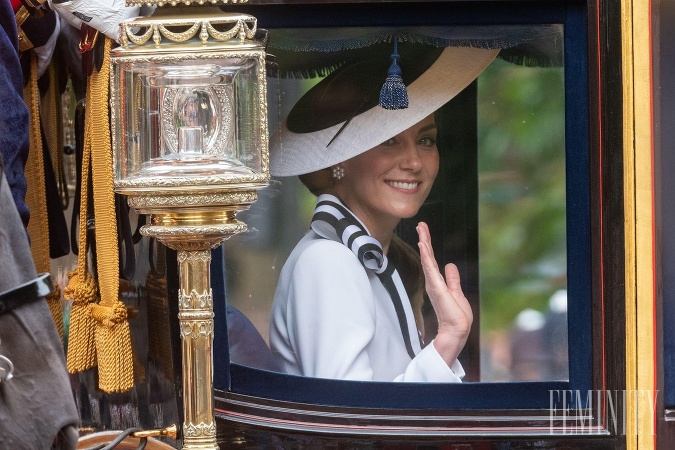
(427, 141)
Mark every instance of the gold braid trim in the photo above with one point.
(20, 16)
(36, 195)
(113, 337)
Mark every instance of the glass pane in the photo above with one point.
(522, 245)
(508, 232)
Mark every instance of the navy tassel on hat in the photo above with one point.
(393, 94)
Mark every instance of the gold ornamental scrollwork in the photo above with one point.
(126, 57)
(197, 329)
(193, 238)
(242, 26)
(198, 430)
(175, 243)
(185, 232)
(195, 300)
(194, 256)
(227, 198)
(185, 182)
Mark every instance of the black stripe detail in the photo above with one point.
(388, 283)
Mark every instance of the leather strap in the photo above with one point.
(125, 242)
(30, 291)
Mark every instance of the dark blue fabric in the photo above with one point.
(14, 123)
(247, 346)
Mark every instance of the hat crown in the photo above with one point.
(355, 87)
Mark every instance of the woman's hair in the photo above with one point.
(319, 182)
(409, 267)
(408, 264)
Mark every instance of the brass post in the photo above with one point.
(195, 303)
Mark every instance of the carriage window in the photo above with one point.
(497, 208)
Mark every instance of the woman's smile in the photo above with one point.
(404, 185)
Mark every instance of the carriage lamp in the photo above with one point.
(189, 131)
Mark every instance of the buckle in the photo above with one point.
(88, 37)
(30, 291)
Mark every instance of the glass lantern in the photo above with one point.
(189, 107)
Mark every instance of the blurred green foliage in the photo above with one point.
(522, 230)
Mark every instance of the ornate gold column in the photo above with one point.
(195, 303)
(189, 105)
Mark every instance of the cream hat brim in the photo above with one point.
(301, 153)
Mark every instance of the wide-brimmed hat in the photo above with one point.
(340, 117)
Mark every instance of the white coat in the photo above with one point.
(333, 319)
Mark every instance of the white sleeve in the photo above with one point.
(332, 316)
(428, 366)
(103, 15)
(44, 53)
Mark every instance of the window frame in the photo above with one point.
(500, 408)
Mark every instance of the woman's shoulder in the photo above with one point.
(323, 267)
(315, 250)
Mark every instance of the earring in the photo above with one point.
(338, 172)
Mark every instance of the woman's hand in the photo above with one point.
(452, 308)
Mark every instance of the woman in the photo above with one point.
(340, 309)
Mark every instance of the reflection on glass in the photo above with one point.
(208, 108)
(520, 205)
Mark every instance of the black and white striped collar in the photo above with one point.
(332, 220)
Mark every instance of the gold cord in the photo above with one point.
(82, 288)
(36, 194)
(113, 336)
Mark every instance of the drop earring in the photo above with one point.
(338, 172)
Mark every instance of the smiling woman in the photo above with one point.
(340, 308)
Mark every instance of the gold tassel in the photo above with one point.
(36, 196)
(83, 291)
(113, 347)
(113, 336)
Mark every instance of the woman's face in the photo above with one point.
(391, 181)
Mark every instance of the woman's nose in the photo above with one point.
(411, 159)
